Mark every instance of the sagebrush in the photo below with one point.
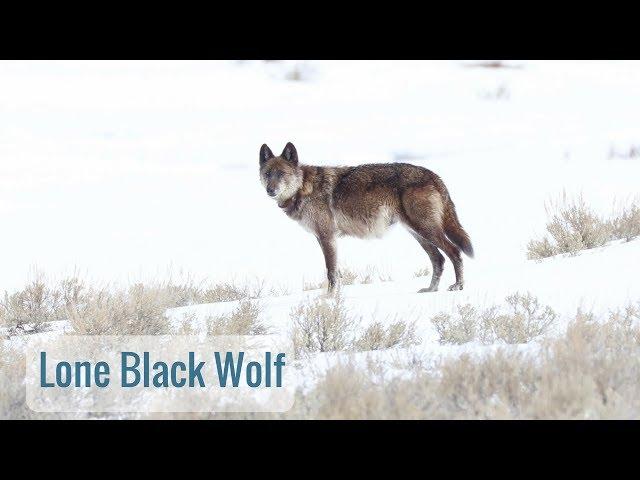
(590, 372)
(93, 310)
(326, 325)
(322, 325)
(573, 226)
(243, 320)
(521, 320)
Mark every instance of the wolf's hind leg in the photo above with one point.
(435, 235)
(454, 254)
(437, 262)
(423, 212)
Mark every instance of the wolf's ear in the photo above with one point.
(290, 154)
(265, 154)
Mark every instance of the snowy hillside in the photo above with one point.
(131, 169)
(599, 281)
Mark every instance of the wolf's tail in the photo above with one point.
(454, 230)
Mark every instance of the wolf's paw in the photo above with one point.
(455, 286)
(430, 289)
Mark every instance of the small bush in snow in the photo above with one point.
(521, 321)
(29, 309)
(347, 276)
(322, 325)
(379, 337)
(12, 394)
(457, 329)
(187, 291)
(524, 320)
(137, 310)
(243, 320)
(626, 225)
(590, 372)
(573, 227)
(225, 292)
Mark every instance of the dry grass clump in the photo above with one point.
(28, 310)
(311, 285)
(457, 330)
(522, 320)
(13, 392)
(574, 227)
(243, 320)
(140, 309)
(137, 310)
(325, 325)
(226, 292)
(589, 373)
(13, 404)
(349, 276)
(379, 337)
(322, 325)
(422, 272)
(626, 225)
(367, 276)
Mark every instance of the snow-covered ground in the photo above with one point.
(130, 170)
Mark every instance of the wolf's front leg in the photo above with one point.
(328, 245)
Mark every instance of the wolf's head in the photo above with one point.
(281, 176)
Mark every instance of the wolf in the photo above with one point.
(364, 201)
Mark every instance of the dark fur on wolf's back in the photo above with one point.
(364, 201)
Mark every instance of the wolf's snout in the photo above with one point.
(271, 192)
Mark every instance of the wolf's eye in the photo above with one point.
(267, 174)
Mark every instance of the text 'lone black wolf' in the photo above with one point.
(364, 201)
